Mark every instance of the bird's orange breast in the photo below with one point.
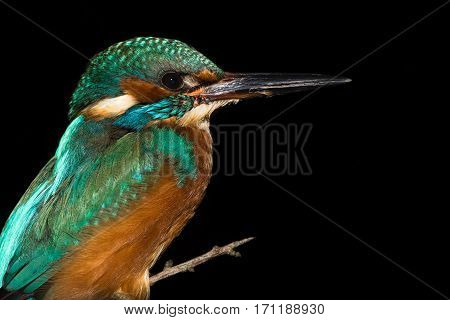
(114, 258)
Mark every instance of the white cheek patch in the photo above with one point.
(202, 112)
(111, 107)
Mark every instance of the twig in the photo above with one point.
(191, 264)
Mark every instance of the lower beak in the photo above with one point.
(249, 85)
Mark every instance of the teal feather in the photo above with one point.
(138, 116)
(90, 180)
(20, 218)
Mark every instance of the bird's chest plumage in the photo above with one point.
(115, 256)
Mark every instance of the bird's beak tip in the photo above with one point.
(346, 80)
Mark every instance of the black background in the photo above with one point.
(377, 149)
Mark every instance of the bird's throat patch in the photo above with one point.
(201, 113)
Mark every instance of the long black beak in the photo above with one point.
(248, 85)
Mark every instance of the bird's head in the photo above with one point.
(151, 79)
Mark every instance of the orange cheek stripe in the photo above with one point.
(207, 76)
(144, 91)
(195, 92)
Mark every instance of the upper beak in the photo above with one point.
(248, 85)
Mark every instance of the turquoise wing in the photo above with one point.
(21, 216)
(76, 190)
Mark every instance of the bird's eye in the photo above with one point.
(172, 81)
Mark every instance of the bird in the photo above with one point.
(128, 173)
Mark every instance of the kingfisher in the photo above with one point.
(128, 173)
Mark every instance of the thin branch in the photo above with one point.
(216, 251)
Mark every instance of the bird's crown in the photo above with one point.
(146, 59)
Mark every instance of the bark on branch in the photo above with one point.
(216, 251)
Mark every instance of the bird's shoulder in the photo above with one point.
(81, 187)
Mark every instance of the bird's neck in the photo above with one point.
(85, 140)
